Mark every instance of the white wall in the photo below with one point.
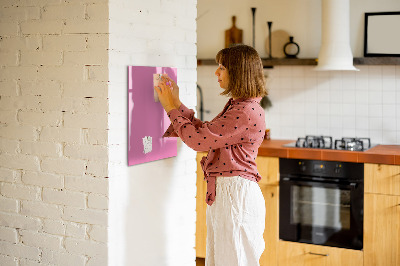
(152, 205)
(337, 103)
(53, 133)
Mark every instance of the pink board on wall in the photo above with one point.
(147, 118)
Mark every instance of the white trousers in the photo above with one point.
(235, 223)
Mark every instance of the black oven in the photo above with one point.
(321, 202)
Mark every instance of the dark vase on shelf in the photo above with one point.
(291, 49)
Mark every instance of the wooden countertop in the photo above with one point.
(380, 154)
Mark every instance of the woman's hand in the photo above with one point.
(175, 90)
(165, 96)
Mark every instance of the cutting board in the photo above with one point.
(233, 35)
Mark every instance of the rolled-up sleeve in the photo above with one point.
(187, 113)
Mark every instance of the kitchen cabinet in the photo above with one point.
(201, 205)
(269, 170)
(300, 254)
(382, 179)
(271, 232)
(382, 215)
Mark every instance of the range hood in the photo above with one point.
(335, 52)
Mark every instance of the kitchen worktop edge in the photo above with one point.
(379, 154)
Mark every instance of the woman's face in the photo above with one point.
(223, 77)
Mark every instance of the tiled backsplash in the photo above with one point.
(365, 103)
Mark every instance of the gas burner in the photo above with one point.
(353, 144)
(325, 142)
(322, 142)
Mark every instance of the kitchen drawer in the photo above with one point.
(299, 254)
(382, 179)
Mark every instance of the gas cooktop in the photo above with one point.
(326, 142)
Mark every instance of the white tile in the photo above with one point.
(336, 133)
(398, 137)
(348, 109)
(310, 95)
(298, 131)
(349, 96)
(310, 82)
(375, 123)
(376, 136)
(287, 133)
(286, 120)
(298, 71)
(389, 110)
(362, 123)
(362, 133)
(389, 71)
(324, 131)
(323, 95)
(298, 83)
(362, 97)
(349, 122)
(335, 109)
(349, 132)
(375, 110)
(298, 120)
(298, 97)
(336, 121)
(310, 122)
(336, 83)
(323, 109)
(323, 121)
(375, 97)
(323, 83)
(285, 83)
(374, 83)
(362, 110)
(397, 72)
(389, 137)
(388, 84)
(389, 124)
(336, 96)
(285, 71)
(362, 79)
(389, 97)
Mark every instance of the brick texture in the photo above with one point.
(63, 79)
(53, 118)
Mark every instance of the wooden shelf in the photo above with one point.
(269, 63)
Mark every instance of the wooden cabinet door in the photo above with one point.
(381, 230)
(271, 232)
(201, 205)
(299, 254)
(268, 167)
(382, 179)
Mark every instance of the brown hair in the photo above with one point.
(245, 69)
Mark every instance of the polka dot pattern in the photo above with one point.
(232, 139)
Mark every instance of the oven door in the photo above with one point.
(321, 212)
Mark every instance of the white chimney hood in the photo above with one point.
(335, 52)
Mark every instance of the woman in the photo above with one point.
(236, 211)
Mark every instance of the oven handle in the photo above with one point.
(310, 182)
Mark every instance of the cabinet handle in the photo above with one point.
(318, 254)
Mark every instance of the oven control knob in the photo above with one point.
(338, 170)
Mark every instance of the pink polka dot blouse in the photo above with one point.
(232, 139)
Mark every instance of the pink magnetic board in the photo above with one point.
(147, 119)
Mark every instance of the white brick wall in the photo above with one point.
(53, 135)
(152, 205)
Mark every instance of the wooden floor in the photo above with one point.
(200, 262)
